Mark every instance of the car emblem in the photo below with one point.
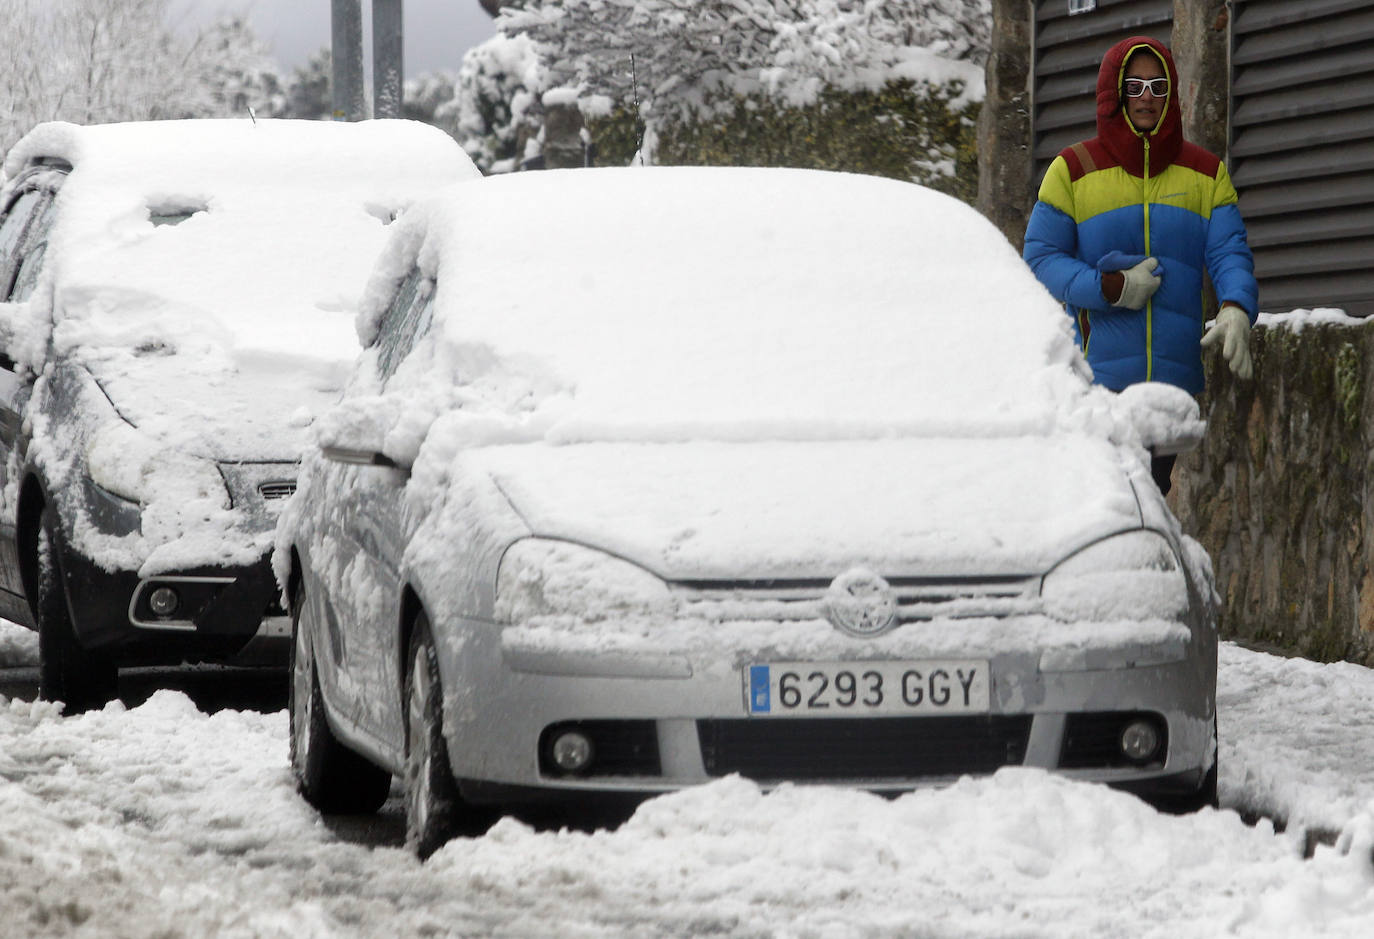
(860, 603)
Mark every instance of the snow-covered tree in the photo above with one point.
(688, 55)
(427, 98)
(496, 108)
(736, 81)
(232, 71)
(308, 90)
(95, 61)
(85, 61)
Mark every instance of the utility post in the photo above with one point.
(1006, 189)
(1201, 43)
(387, 58)
(349, 100)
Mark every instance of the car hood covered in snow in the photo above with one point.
(906, 507)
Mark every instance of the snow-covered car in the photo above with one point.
(650, 476)
(176, 301)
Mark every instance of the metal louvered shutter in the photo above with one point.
(1068, 50)
(1302, 148)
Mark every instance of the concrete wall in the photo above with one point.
(1282, 491)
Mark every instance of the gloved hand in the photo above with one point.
(1232, 329)
(1132, 287)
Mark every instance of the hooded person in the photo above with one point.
(1126, 224)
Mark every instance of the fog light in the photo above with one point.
(572, 751)
(1139, 741)
(163, 601)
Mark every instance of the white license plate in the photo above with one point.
(847, 689)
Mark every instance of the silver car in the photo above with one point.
(650, 476)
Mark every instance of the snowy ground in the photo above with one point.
(162, 821)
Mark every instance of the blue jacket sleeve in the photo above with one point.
(1051, 251)
(1229, 260)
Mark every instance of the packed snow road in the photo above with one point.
(165, 821)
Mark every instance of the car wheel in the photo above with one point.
(66, 672)
(434, 809)
(328, 774)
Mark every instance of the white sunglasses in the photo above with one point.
(1135, 87)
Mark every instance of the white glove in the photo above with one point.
(1232, 329)
(1140, 285)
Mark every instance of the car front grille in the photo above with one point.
(842, 749)
(279, 489)
(918, 598)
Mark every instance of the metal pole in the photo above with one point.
(349, 99)
(387, 57)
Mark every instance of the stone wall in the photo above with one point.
(1281, 493)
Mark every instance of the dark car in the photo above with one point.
(175, 304)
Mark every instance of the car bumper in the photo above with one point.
(657, 723)
(219, 614)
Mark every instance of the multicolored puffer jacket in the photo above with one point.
(1109, 202)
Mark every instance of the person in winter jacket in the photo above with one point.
(1124, 227)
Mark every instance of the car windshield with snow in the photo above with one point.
(176, 302)
(650, 476)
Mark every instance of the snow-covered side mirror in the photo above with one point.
(362, 431)
(1166, 418)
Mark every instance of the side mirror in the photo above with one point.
(359, 457)
(1166, 418)
(358, 432)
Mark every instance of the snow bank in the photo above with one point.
(1297, 319)
(162, 820)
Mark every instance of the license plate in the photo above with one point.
(847, 689)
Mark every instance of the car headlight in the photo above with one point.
(541, 579)
(1132, 576)
(133, 466)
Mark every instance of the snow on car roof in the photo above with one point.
(733, 302)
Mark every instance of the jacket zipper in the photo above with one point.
(1149, 304)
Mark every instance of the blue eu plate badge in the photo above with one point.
(759, 702)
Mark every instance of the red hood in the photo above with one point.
(1113, 128)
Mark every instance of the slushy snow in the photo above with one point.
(162, 821)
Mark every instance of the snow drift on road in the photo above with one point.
(162, 821)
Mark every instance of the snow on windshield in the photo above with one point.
(689, 303)
(185, 251)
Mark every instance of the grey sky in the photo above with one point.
(437, 32)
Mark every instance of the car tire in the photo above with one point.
(331, 777)
(434, 809)
(66, 672)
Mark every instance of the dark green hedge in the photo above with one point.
(904, 131)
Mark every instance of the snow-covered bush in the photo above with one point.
(687, 56)
(883, 87)
(496, 107)
(904, 130)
